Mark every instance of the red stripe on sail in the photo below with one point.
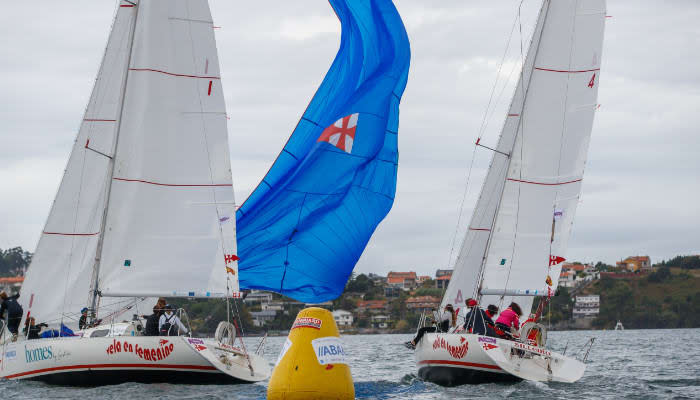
(172, 73)
(70, 234)
(209, 91)
(513, 115)
(461, 363)
(99, 120)
(172, 184)
(544, 183)
(479, 229)
(565, 71)
(96, 366)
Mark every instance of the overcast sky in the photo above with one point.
(640, 192)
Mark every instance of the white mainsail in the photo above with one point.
(170, 226)
(57, 283)
(150, 164)
(522, 221)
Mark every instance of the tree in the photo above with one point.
(660, 275)
(361, 284)
(14, 261)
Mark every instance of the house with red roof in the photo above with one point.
(403, 280)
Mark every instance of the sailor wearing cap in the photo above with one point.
(169, 324)
(82, 322)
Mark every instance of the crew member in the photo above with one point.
(82, 322)
(477, 321)
(32, 329)
(169, 324)
(447, 321)
(152, 322)
(491, 311)
(508, 319)
(14, 312)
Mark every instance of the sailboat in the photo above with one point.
(145, 209)
(516, 241)
(619, 326)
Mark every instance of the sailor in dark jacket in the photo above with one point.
(152, 322)
(14, 312)
(33, 329)
(83, 321)
(477, 320)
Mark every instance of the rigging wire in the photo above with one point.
(484, 123)
(521, 128)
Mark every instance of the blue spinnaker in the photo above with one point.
(303, 229)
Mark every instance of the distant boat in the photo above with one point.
(142, 211)
(515, 244)
(619, 327)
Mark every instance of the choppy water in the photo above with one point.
(640, 364)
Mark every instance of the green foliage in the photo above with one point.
(603, 267)
(402, 326)
(661, 300)
(684, 262)
(435, 292)
(205, 314)
(360, 284)
(559, 308)
(14, 261)
(428, 283)
(660, 275)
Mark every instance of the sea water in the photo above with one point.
(634, 364)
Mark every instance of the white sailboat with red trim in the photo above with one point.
(518, 234)
(145, 209)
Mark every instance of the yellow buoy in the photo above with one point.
(312, 363)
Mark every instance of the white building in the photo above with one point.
(380, 321)
(587, 306)
(262, 317)
(257, 296)
(272, 306)
(567, 279)
(342, 317)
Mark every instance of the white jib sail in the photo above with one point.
(57, 283)
(170, 226)
(523, 218)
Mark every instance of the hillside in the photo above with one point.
(667, 298)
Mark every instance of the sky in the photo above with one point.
(640, 190)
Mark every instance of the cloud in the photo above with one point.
(640, 187)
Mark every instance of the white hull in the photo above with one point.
(111, 360)
(451, 359)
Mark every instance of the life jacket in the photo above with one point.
(168, 328)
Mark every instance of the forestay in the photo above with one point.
(170, 226)
(58, 280)
(305, 226)
(522, 221)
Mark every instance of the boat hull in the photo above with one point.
(449, 359)
(119, 359)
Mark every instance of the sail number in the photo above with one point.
(591, 83)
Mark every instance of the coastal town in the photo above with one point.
(374, 303)
(394, 303)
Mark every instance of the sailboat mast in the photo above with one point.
(524, 90)
(94, 283)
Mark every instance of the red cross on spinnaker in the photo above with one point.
(342, 133)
